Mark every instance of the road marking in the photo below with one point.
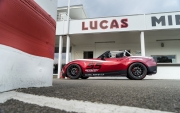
(72, 105)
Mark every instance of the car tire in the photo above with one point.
(137, 71)
(129, 77)
(84, 77)
(74, 71)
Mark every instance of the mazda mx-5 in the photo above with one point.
(111, 63)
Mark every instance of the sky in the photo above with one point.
(105, 8)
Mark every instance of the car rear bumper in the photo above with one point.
(152, 70)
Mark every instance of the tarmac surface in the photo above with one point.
(161, 95)
(14, 106)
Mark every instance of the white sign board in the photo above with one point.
(163, 21)
(101, 25)
(120, 24)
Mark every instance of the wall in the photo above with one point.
(122, 41)
(27, 36)
(21, 70)
(78, 51)
(160, 26)
(172, 47)
(98, 49)
(166, 72)
(132, 42)
(151, 49)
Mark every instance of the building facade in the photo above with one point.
(155, 35)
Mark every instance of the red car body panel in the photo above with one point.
(112, 66)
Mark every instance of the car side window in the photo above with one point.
(127, 54)
(119, 55)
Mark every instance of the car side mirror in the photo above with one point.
(103, 57)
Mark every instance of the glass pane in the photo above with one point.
(164, 58)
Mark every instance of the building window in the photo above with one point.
(164, 58)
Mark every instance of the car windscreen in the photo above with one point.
(105, 54)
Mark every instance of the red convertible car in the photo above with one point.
(111, 63)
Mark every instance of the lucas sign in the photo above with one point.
(112, 24)
(105, 24)
(120, 24)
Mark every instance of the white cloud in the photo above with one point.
(102, 8)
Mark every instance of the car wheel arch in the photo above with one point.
(75, 64)
(137, 62)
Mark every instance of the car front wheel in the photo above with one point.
(84, 77)
(74, 71)
(137, 71)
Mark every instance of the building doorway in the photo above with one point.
(88, 54)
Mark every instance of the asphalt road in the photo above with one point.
(15, 106)
(161, 95)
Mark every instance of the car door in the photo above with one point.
(111, 65)
(106, 67)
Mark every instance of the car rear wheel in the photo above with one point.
(74, 71)
(137, 71)
(129, 77)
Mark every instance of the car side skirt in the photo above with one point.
(116, 73)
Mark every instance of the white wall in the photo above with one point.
(170, 48)
(153, 47)
(22, 70)
(77, 51)
(166, 72)
(98, 49)
(163, 72)
(132, 42)
(123, 41)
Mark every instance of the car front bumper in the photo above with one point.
(152, 70)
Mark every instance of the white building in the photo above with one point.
(156, 35)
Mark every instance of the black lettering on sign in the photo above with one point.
(170, 20)
(161, 20)
(177, 19)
